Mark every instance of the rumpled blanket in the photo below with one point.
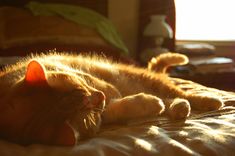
(203, 133)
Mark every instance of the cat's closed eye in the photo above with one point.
(74, 98)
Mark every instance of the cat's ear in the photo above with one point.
(66, 135)
(35, 73)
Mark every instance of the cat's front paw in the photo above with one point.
(179, 109)
(132, 107)
(148, 105)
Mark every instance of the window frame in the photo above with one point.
(223, 47)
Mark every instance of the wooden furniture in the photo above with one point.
(155, 7)
(100, 6)
(35, 34)
(223, 81)
(146, 9)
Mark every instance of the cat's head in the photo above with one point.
(50, 107)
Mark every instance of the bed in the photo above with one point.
(203, 133)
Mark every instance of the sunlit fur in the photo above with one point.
(75, 90)
(162, 62)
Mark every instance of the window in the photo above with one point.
(205, 20)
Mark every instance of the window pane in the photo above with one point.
(205, 19)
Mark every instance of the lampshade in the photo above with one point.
(158, 27)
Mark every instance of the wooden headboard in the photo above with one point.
(24, 19)
(145, 9)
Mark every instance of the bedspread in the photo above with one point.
(208, 133)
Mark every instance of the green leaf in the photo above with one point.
(81, 16)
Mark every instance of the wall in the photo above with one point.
(124, 15)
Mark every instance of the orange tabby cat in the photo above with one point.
(58, 98)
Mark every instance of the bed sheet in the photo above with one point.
(208, 133)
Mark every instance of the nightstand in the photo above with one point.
(217, 74)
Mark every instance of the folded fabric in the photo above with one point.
(81, 16)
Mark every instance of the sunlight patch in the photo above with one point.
(153, 130)
(177, 144)
(143, 144)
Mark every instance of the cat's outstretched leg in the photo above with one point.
(180, 108)
(131, 107)
(204, 103)
(177, 108)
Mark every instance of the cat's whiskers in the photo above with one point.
(98, 109)
(85, 123)
(92, 118)
(89, 119)
(88, 122)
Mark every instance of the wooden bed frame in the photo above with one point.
(146, 9)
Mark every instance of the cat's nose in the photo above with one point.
(97, 98)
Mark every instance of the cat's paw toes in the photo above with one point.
(179, 109)
(153, 104)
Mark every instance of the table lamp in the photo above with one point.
(157, 29)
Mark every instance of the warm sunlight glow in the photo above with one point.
(181, 146)
(183, 133)
(217, 135)
(205, 20)
(153, 130)
(144, 144)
